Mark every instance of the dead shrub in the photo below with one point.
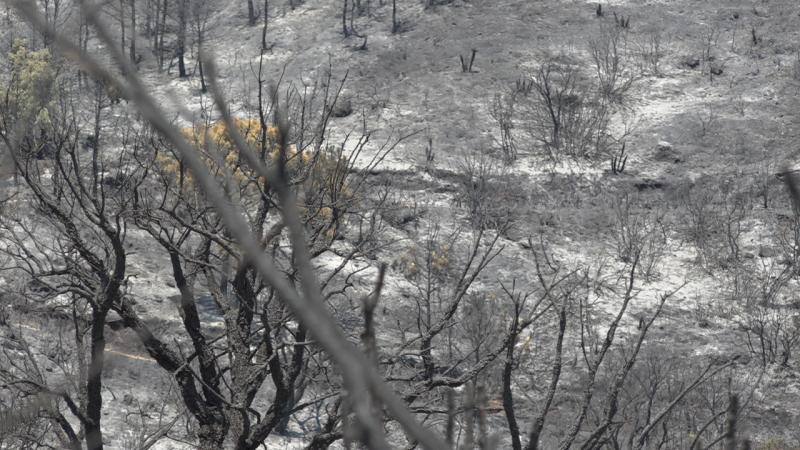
(565, 114)
(488, 194)
(640, 233)
(610, 56)
(715, 213)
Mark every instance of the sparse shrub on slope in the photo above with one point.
(611, 59)
(715, 214)
(640, 233)
(565, 115)
(564, 112)
(618, 161)
(773, 334)
(652, 46)
(766, 310)
(488, 193)
(502, 111)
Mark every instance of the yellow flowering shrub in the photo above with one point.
(406, 264)
(440, 259)
(216, 145)
(411, 263)
(776, 444)
(322, 192)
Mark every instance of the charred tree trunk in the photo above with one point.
(132, 45)
(508, 399)
(345, 31)
(181, 44)
(148, 18)
(94, 382)
(122, 25)
(538, 424)
(160, 35)
(264, 28)
(251, 13)
(394, 16)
